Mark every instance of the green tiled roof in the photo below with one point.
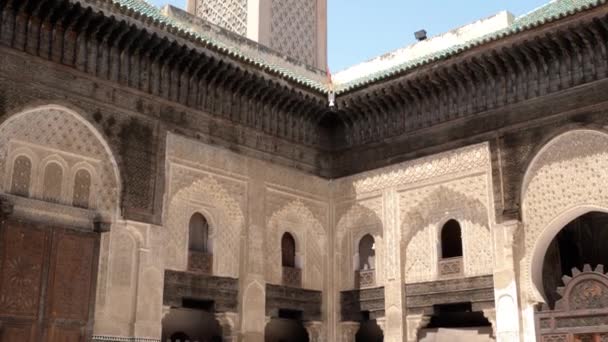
(551, 11)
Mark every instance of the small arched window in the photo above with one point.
(53, 179)
(82, 189)
(288, 250)
(199, 233)
(451, 240)
(22, 173)
(367, 253)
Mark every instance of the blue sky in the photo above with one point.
(362, 29)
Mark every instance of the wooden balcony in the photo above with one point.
(200, 262)
(450, 267)
(365, 278)
(292, 277)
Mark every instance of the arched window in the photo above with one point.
(451, 240)
(367, 253)
(53, 179)
(82, 189)
(22, 173)
(288, 250)
(199, 233)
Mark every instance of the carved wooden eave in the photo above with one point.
(549, 58)
(111, 43)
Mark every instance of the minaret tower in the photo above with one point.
(296, 28)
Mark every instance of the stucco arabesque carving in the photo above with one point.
(362, 217)
(464, 200)
(56, 133)
(462, 161)
(297, 218)
(207, 194)
(567, 173)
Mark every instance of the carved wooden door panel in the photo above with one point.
(71, 286)
(23, 255)
(47, 283)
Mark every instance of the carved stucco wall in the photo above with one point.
(54, 134)
(296, 218)
(429, 191)
(565, 180)
(425, 210)
(355, 220)
(192, 191)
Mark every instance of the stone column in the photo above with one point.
(252, 294)
(505, 283)
(228, 321)
(394, 285)
(490, 314)
(414, 324)
(381, 323)
(315, 331)
(348, 331)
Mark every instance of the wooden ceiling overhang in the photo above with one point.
(111, 43)
(552, 57)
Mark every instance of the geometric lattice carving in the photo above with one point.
(225, 223)
(360, 219)
(425, 208)
(567, 173)
(365, 278)
(294, 29)
(451, 267)
(82, 189)
(53, 179)
(292, 276)
(52, 130)
(200, 262)
(229, 14)
(309, 234)
(22, 173)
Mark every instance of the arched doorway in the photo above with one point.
(573, 281)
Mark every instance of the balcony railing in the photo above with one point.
(292, 277)
(365, 278)
(450, 267)
(200, 262)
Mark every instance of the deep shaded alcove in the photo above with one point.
(451, 240)
(582, 241)
(285, 330)
(369, 332)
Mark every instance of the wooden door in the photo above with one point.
(47, 283)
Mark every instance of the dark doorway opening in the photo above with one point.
(370, 330)
(580, 242)
(459, 315)
(287, 327)
(194, 323)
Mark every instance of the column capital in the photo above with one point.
(414, 324)
(349, 331)
(490, 314)
(228, 321)
(314, 330)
